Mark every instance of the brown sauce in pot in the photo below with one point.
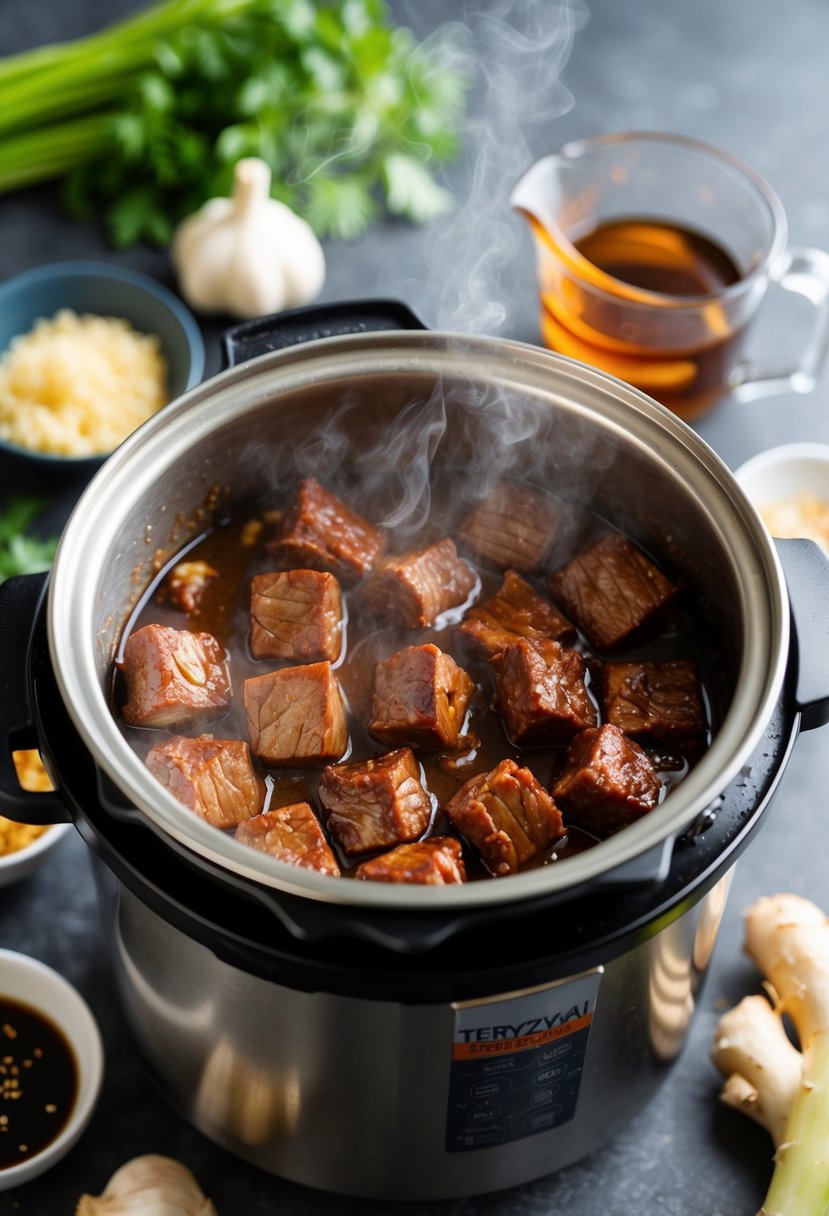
(224, 612)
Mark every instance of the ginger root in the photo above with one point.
(785, 1090)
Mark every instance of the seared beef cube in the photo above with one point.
(296, 716)
(186, 584)
(653, 702)
(291, 834)
(414, 589)
(296, 614)
(514, 526)
(608, 781)
(373, 804)
(213, 777)
(515, 611)
(541, 692)
(420, 698)
(173, 676)
(610, 590)
(506, 815)
(434, 862)
(320, 532)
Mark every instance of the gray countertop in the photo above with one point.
(748, 75)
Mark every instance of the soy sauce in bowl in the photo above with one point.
(38, 1082)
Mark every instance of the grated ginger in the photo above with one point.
(78, 385)
(804, 515)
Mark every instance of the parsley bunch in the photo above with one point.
(147, 119)
(21, 553)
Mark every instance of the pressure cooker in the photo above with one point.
(386, 1040)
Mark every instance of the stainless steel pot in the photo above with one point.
(394, 1041)
(598, 440)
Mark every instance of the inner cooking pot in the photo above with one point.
(417, 412)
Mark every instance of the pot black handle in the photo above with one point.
(297, 325)
(806, 568)
(21, 600)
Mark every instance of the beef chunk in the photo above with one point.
(515, 611)
(610, 590)
(213, 777)
(414, 589)
(291, 834)
(434, 862)
(608, 781)
(295, 614)
(507, 815)
(320, 532)
(373, 804)
(653, 702)
(173, 676)
(186, 584)
(420, 698)
(296, 715)
(514, 526)
(541, 692)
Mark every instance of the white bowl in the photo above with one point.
(14, 866)
(32, 983)
(783, 474)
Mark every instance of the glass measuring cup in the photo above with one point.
(654, 253)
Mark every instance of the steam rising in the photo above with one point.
(514, 52)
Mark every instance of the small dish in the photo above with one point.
(103, 290)
(789, 486)
(30, 988)
(23, 862)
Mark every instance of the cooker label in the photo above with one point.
(537, 1038)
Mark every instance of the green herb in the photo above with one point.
(21, 553)
(148, 117)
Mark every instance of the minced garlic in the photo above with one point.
(78, 385)
(805, 515)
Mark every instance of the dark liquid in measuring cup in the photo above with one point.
(687, 371)
(38, 1082)
(659, 257)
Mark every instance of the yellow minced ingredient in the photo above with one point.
(804, 515)
(16, 836)
(78, 385)
(32, 776)
(30, 771)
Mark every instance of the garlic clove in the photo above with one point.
(247, 255)
(151, 1185)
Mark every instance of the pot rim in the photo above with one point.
(517, 367)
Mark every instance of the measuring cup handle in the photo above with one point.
(806, 271)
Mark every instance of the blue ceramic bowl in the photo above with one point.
(96, 287)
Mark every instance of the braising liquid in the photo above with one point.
(681, 355)
(224, 611)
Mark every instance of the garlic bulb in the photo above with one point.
(249, 254)
(149, 1186)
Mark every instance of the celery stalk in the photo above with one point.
(39, 156)
(66, 78)
(800, 1183)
